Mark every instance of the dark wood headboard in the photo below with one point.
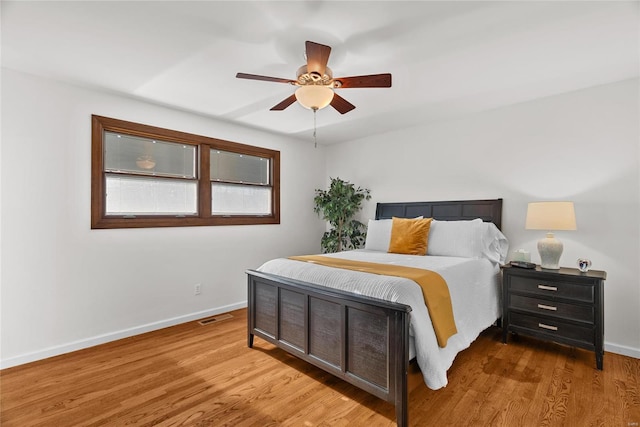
(488, 210)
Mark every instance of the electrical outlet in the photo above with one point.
(197, 289)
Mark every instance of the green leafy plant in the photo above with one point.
(338, 206)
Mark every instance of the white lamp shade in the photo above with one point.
(551, 216)
(314, 97)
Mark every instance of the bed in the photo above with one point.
(366, 335)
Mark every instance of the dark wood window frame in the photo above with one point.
(99, 219)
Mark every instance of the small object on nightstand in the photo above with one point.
(522, 264)
(521, 255)
(584, 264)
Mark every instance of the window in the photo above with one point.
(149, 177)
(143, 176)
(239, 184)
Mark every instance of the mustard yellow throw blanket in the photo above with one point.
(434, 288)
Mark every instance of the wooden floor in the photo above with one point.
(193, 375)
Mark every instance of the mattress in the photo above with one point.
(474, 285)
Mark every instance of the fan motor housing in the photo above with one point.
(306, 78)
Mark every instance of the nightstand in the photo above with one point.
(565, 306)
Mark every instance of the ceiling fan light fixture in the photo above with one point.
(316, 83)
(314, 97)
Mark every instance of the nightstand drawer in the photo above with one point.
(552, 327)
(582, 313)
(578, 292)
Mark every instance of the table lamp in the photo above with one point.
(550, 216)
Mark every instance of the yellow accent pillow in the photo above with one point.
(409, 236)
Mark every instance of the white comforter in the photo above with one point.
(474, 286)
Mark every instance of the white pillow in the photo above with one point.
(378, 235)
(467, 239)
(455, 238)
(495, 245)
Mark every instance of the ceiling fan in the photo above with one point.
(316, 83)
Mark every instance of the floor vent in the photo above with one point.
(210, 320)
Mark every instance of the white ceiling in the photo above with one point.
(447, 58)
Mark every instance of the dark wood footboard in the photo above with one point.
(362, 340)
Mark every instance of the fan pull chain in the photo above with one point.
(315, 141)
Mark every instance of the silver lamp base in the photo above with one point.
(550, 250)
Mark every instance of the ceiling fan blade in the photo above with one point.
(317, 57)
(341, 104)
(263, 78)
(284, 104)
(373, 80)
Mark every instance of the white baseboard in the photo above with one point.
(620, 349)
(125, 333)
(113, 336)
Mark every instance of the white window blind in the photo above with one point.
(149, 177)
(240, 184)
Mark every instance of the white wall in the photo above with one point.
(65, 286)
(581, 146)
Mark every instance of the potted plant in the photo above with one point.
(338, 205)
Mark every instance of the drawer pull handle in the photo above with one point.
(547, 288)
(547, 307)
(549, 327)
